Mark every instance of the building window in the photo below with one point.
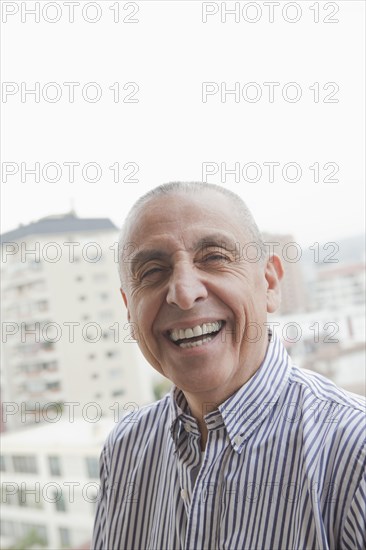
(29, 497)
(47, 346)
(65, 538)
(33, 368)
(60, 502)
(36, 386)
(54, 465)
(92, 465)
(42, 305)
(37, 534)
(50, 366)
(118, 393)
(7, 528)
(35, 265)
(53, 386)
(25, 464)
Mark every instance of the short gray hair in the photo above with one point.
(190, 187)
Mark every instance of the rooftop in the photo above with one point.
(340, 270)
(63, 223)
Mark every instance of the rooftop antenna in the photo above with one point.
(72, 207)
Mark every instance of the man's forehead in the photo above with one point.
(190, 241)
(177, 209)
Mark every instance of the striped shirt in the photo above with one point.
(284, 468)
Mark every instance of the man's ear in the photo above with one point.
(124, 297)
(273, 274)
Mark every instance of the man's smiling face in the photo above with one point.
(193, 297)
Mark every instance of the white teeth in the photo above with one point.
(198, 330)
(195, 344)
(211, 327)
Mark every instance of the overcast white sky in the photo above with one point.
(170, 131)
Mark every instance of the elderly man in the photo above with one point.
(247, 451)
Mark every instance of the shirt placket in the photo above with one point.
(204, 507)
(188, 460)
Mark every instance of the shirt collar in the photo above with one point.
(243, 411)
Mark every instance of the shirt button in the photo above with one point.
(238, 439)
(183, 494)
(187, 427)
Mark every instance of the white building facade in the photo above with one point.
(65, 333)
(340, 285)
(50, 484)
(328, 341)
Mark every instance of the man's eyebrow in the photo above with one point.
(218, 240)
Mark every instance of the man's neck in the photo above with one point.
(202, 404)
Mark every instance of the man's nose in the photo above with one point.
(185, 287)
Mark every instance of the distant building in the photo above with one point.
(339, 285)
(330, 342)
(65, 332)
(50, 484)
(293, 297)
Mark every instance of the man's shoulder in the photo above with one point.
(322, 389)
(333, 420)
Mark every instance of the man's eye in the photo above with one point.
(151, 272)
(217, 257)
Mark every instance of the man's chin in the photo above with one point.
(200, 379)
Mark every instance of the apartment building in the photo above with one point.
(65, 333)
(50, 484)
(339, 285)
(328, 341)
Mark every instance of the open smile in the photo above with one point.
(195, 336)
